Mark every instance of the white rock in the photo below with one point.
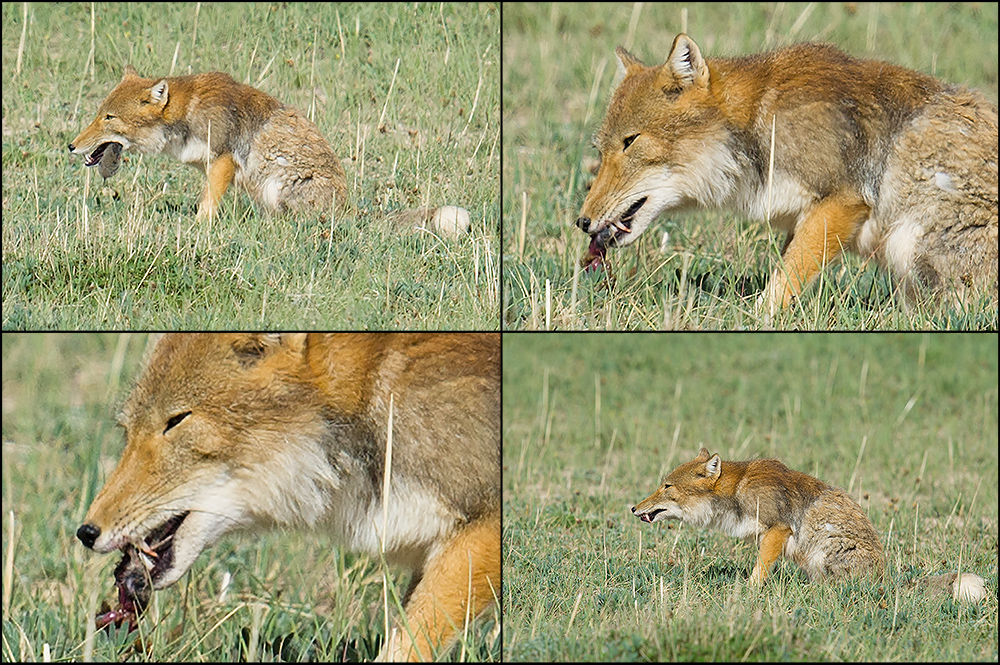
(450, 222)
(969, 587)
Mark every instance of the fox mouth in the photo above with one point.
(609, 235)
(136, 574)
(650, 517)
(157, 550)
(94, 158)
(107, 158)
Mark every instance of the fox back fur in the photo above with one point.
(764, 502)
(231, 131)
(867, 156)
(250, 431)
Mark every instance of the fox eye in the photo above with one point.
(174, 421)
(628, 140)
(109, 117)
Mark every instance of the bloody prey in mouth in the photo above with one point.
(593, 258)
(134, 590)
(136, 572)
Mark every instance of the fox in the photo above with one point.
(866, 156)
(231, 131)
(233, 432)
(782, 511)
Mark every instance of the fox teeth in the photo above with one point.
(621, 227)
(145, 560)
(144, 548)
(150, 550)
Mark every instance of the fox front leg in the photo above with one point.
(818, 239)
(771, 545)
(460, 581)
(220, 175)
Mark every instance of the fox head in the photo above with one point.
(663, 146)
(131, 116)
(217, 428)
(684, 494)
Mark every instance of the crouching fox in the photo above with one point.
(233, 132)
(764, 502)
(866, 156)
(250, 431)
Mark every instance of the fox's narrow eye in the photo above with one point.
(628, 140)
(109, 117)
(174, 421)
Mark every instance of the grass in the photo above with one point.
(906, 423)
(129, 254)
(698, 270)
(290, 596)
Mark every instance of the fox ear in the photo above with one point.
(685, 62)
(251, 348)
(626, 61)
(160, 92)
(713, 467)
(130, 72)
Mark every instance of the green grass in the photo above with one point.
(302, 596)
(697, 270)
(592, 422)
(78, 254)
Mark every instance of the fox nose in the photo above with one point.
(633, 512)
(88, 533)
(71, 147)
(583, 223)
